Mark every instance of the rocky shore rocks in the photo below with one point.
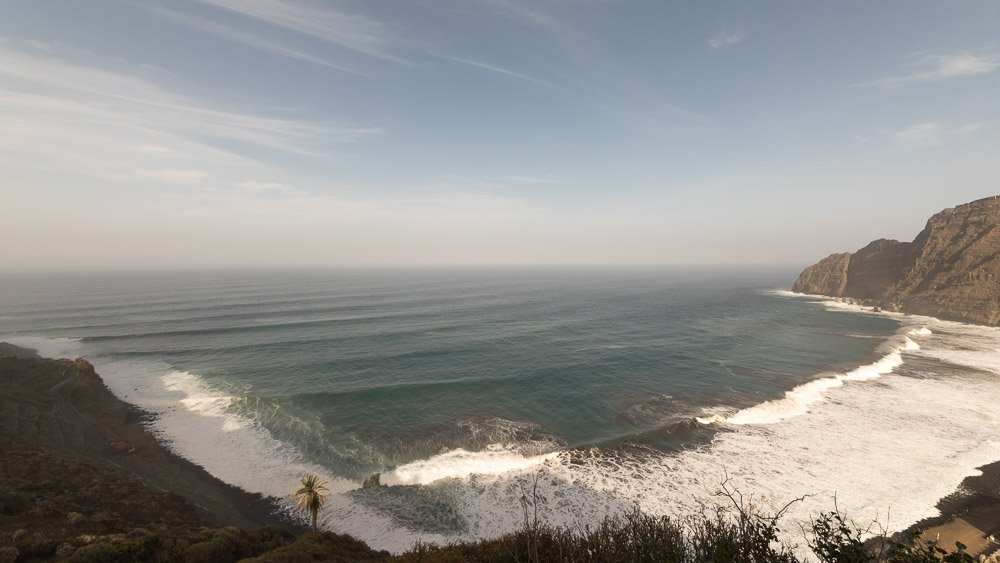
(951, 270)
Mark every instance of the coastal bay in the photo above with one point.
(444, 481)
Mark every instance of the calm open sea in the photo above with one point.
(611, 387)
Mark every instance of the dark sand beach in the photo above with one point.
(85, 416)
(970, 515)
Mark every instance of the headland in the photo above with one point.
(951, 270)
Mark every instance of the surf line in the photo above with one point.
(796, 401)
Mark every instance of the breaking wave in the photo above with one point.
(797, 401)
(904, 443)
(496, 459)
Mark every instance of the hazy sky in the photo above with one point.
(233, 133)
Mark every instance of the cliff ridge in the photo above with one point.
(951, 270)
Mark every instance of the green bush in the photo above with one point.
(739, 533)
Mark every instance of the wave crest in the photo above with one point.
(494, 460)
(796, 401)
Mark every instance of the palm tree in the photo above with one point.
(310, 496)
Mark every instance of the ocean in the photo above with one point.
(610, 388)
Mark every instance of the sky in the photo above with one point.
(145, 134)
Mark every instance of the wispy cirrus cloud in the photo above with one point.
(167, 175)
(351, 31)
(250, 39)
(255, 186)
(50, 81)
(524, 11)
(497, 69)
(547, 179)
(930, 133)
(60, 115)
(919, 134)
(932, 67)
(727, 37)
(162, 152)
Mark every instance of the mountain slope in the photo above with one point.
(951, 270)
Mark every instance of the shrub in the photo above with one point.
(735, 533)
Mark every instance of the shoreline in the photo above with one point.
(82, 399)
(971, 513)
(974, 508)
(253, 510)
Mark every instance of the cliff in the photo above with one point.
(951, 270)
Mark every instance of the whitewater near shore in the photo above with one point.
(888, 437)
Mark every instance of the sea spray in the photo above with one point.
(494, 460)
(897, 447)
(796, 401)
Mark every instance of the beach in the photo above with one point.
(85, 416)
(970, 515)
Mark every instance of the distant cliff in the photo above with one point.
(951, 270)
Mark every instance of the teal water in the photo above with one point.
(356, 372)
(361, 370)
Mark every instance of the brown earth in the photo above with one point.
(951, 270)
(65, 496)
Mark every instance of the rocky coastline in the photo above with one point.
(951, 270)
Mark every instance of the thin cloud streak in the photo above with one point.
(245, 38)
(46, 135)
(726, 38)
(59, 85)
(171, 176)
(258, 187)
(61, 116)
(350, 31)
(935, 67)
(931, 133)
(521, 11)
(532, 179)
(499, 70)
(919, 134)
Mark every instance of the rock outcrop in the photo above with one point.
(951, 270)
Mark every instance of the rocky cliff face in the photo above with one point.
(951, 270)
(827, 277)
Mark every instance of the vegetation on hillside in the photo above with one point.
(738, 532)
(310, 496)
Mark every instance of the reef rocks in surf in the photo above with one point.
(951, 270)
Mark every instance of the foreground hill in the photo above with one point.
(64, 496)
(950, 271)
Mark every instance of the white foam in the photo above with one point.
(194, 422)
(797, 401)
(900, 445)
(496, 459)
(904, 443)
(787, 293)
(980, 348)
(599, 347)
